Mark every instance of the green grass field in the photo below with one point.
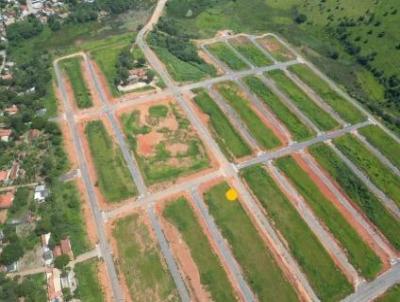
(145, 271)
(377, 172)
(72, 67)
(392, 295)
(343, 107)
(298, 130)
(359, 253)
(327, 280)
(114, 179)
(225, 134)
(89, 288)
(383, 142)
(264, 135)
(358, 193)
(258, 264)
(212, 275)
(227, 56)
(250, 52)
(321, 118)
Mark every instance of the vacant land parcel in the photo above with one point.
(226, 55)
(259, 267)
(89, 289)
(279, 51)
(250, 51)
(114, 179)
(164, 142)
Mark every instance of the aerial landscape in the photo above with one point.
(199, 150)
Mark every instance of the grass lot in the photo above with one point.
(225, 134)
(114, 179)
(212, 275)
(72, 67)
(315, 113)
(377, 172)
(358, 192)
(299, 131)
(258, 264)
(89, 289)
(383, 142)
(327, 280)
(145, 271)
(359, 253)
(343, 107)
(264, 135)
(392, 295)
(250, 52)
(279, 51)
(227, 56)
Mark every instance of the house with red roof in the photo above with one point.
(6, 200)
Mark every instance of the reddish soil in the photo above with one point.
(70, 93)
(274, 46)
(69, 145)
(3, 216)
(328, 194)
(103, 81)
(148, 142)
(204, 56)
(104, 281)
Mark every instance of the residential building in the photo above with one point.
(5, 135)
(41, 193)
(6, 200)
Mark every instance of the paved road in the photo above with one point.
(165, 250)
(93, 202)
(223, 249)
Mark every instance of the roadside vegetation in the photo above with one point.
(31, 288)
(377, 172)
(321, 118)
(89, 288)
(383, 142)
(392, 295)
(324, 276)
(258, 264)
(226, 55)
(212, 274)
(250, 51)
(146, 273)
(264, 135)
(114, 179)
(360, 255)
(358, 192)
(298, 130)
(72, 67)
(347, 111)
(223, 131)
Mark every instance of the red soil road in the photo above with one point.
(330, 196)
(104, 281)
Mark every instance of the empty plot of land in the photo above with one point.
(250, 51)
(328, 281)
(383, 142)
(358, 192)
(264, 135)
(165, 144)
(359, 253)
(279, 51)
(113, 175)
(226, 55)
(298, 130)
(72, 68)
(259, 267)
(88, 283)
(212, 275)
(223, 131)
(145, 271)
(376, 171)
(315, 113)
(343, 107)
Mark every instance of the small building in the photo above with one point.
(54, 289)
(4, 175)
(41, 193)
(12, 268)
(47, 254)
(6, 200)
(68, 280)
(66, 248)
(5, 135)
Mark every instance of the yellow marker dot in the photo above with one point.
(231, 194)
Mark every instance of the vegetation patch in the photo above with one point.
(377, 172)
(223, 131)
(343, 107)
(328, 281)
(264, 135)
(89, 289)
(227, 56)
(279, 51)
(359, 253)
(145, 271)
(164, 142)
(392, 295)
(114, 179)
(250, 51)
(315, 113)
(358, 192)
(258, 264)
(383, 142)
(298, 130)
(212, 275)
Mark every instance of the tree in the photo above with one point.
(61, 261)
(54, 23)
(11, 253)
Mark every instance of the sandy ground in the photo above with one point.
(329, 195)
(3, 216)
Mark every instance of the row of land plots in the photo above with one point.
(323, 199)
